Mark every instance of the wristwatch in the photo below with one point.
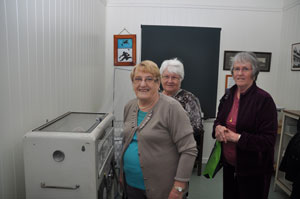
(179, 189)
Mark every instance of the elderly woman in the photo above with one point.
(246, 124)
(172, 73)
(159, 148)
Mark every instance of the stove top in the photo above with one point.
(73, 122)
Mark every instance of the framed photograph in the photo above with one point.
(228, 59)
(264, 59)
(229, 81)
(124, 50)
(295, 56)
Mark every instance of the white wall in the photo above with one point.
(51, 61)
(288, 81)
(246, 25)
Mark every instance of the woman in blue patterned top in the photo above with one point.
(172, 72)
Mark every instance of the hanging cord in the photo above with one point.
(124, 29)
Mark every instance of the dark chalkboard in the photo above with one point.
(198, 49)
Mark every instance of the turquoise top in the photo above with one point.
(132, 168)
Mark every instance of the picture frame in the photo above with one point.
(229, 81)
(295, 56)
(264, 59)
(125, 50)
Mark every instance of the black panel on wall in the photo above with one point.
(198, 49)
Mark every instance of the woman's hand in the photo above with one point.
(232, 136)
(220, 132)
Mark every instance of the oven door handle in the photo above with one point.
(43, 185)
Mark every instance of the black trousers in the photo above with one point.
(296, 187)
(244, 187)
(135, 193)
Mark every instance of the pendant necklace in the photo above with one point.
(147, 106)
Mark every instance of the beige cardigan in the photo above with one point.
(166, 145)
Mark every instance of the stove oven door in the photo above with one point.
(60, 167)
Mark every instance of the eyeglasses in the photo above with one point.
(148, 80)
(243, 69)
(173, 78)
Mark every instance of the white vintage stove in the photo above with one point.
(71, 157)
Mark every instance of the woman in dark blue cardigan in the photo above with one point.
(246, 124)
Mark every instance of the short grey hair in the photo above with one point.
(244, 57)
(173, 66)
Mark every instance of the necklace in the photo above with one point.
(147, 106)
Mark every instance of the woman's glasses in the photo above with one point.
(243, 69)
(173, 78)
(147, 80)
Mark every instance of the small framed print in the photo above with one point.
(296, 56)
(264, 60)
(228, 59)
(124, 50)
(229, 81)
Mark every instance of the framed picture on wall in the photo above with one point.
(295, 56)
(264, 59)
(228, 59)
(124, 50)
(229, 81)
